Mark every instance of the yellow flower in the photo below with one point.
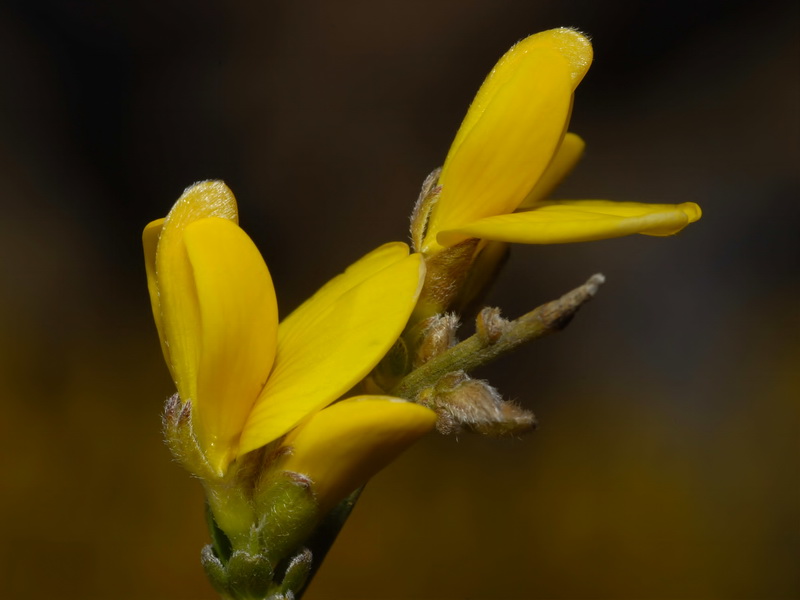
(250, 380)
(511, 150)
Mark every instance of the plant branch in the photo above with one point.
(495, 336)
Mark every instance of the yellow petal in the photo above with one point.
(238, 332)
(511, 131)
(200, 200)
(570, 44)
(334, 339)
(490, 169)
(361, 270)
(553, 222)
(150, 237)
(180, 314)
(341, 447)
(567, 156)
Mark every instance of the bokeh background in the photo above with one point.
(666, 462)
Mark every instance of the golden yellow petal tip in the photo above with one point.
(567, 41)
(692, 211)
(209, 198)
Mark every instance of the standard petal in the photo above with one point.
(554, 222)
(238, 332)
(341, 447)
(180, 315)
(333, 341)
(150, 237)
(200, 200)
(570, 44)
(508, 147)
(567, 156)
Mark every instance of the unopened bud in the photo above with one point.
(437, 335)
(249, 575)
(180, 438)
(243, 575)
(288, 511)
(468, 404)
(490, 325)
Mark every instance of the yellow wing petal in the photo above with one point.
(238, 332)
(342, 447)
(567, 156)
(554, 222)
(333, 341)
(507, 147)
(180, 315)
(571, 44)
(150, 237)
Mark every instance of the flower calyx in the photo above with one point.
(465, 404)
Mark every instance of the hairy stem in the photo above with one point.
(496, 336)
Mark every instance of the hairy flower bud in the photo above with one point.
(438, 333)
(465, 404)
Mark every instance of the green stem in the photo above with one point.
(496, 336)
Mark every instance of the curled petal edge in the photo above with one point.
(564, 221)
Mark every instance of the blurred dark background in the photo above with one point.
(666, 463)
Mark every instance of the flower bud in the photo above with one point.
(437, 335)
(462, 403)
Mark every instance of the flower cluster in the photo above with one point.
(511, 151)
(245, 381)
(264, 413)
